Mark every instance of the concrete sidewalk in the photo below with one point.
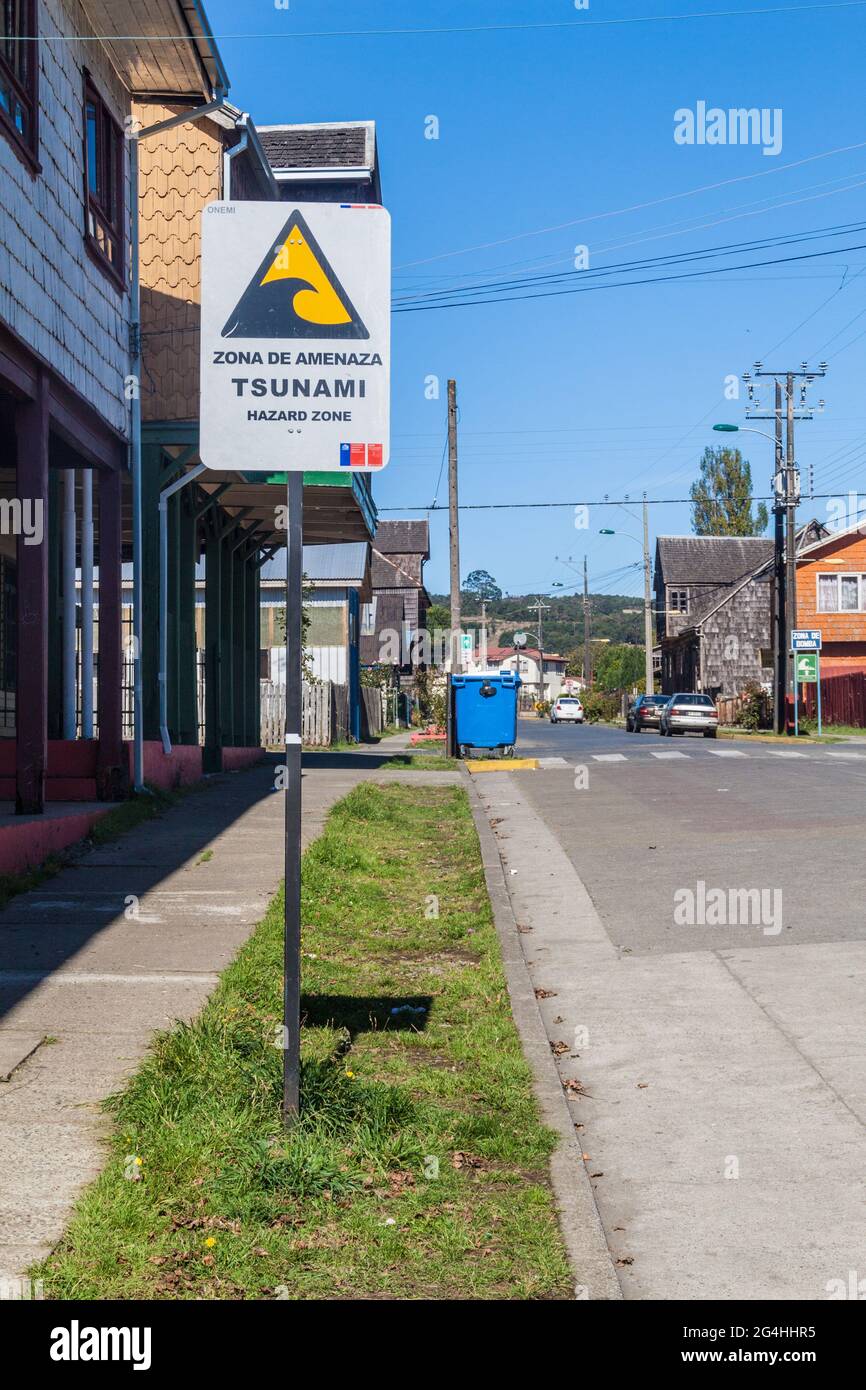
(118, 945)
(719, 1094)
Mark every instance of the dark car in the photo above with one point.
(644, 712)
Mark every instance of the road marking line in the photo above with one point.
(501, 764)
(552, 762)
(784, 753)
(727, 752)
(610, 757)
(831, 753)
(671, 754)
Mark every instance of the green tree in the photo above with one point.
(618, 667)
(722, 496)
(438, 616)
(481, 585)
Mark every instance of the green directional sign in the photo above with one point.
(807, 667)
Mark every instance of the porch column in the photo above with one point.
(151, 476)
(187, 693)
(70, 714)
(87, 603)
(213, 626)
(31, 698)
(111, 770)
(239, 625)
(227, 649)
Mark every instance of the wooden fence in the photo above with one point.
(324, 714)
(843, 700)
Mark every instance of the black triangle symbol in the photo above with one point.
(295, 293)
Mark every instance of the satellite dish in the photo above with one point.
(520, 639)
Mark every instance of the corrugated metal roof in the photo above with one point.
(346, 564)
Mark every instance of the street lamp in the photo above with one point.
(647, 600)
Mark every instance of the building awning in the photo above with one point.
(165, 48)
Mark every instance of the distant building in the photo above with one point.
(397, 610)
(526, 662)
(714, 610)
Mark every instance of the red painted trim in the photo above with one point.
(72, 416)
(31, 702)
(30, 842)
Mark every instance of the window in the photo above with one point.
(842, 593)
(368, 618)
(19, 73)
(679, 600)
(103, 166)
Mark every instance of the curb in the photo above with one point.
(588, 1253)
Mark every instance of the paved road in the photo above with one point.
(725, 1065)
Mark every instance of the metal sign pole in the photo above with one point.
(796, 699)
(294, 695)
(818, 683)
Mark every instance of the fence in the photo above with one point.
(324, 713)
(843, 700)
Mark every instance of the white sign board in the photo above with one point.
(295, 337)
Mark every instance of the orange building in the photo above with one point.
(831, 596)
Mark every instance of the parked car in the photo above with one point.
(688, 713)
(567, 709)
(644, 712)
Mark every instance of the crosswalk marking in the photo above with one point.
(784, 753)
(727, 752)
(610, 757)
(552, 762)
(837, 753)
(671, 754)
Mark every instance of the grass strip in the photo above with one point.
(419, 1167)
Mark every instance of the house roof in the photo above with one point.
(710, 559)
(320, 145)
(857, 528)
(502, 653)
(165, 48)
(403, 538)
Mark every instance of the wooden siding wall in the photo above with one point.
(181, 171)
(734, 638)
(51, 293)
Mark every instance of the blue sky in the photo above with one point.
(580, 396)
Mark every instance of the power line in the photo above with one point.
(670, 259)
(604, 502)
(626, 284)
(462, 29)
(635, 207)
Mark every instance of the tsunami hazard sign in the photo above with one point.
(295, 337)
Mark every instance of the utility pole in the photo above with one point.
(647, 602)
(786, 493)
(539, 609)
(780, 629)
(587, 658)
(792, 497)
(483, 651)
(454, 530)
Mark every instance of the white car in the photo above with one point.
(567, 709)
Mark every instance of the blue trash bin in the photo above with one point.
(485, 711)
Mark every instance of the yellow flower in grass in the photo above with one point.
(210, 1242)
(350, 1074)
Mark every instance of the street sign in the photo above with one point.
(295, 337)
(466, 643)
(806, 640)
(807, 667)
